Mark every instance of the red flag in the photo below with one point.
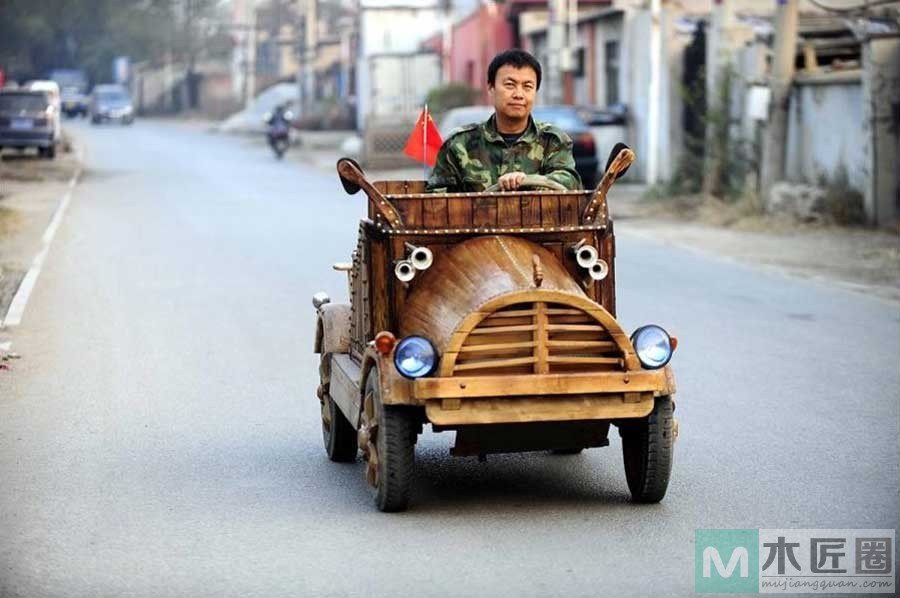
(424, 142)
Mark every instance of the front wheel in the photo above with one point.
(388, 437)
(338, 434)
(647, 448)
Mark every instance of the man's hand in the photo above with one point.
(511, 181)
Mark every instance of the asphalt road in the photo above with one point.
(160, 435)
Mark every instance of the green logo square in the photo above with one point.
(726, 561)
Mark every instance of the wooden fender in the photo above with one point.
(333, 329)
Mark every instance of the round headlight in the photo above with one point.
(653, 346)
(415, 357)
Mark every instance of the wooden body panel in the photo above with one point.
(520, 209)
(344, 388)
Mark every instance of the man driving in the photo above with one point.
(510, 144)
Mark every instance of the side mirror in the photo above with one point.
(350, 173)
(353, 179)
(612, 158)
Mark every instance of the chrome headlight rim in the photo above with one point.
(635, 337)
(427, 369)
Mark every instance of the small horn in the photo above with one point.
(585, 255)
(599, 270)
(421, 257)
(404, 271)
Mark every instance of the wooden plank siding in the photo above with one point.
(485, 210)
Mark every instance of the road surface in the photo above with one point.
(160, 435)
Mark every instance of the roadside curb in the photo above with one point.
(16, 309)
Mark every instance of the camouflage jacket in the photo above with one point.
(475, 156)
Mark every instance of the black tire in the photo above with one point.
(338, 435)
(396, 444)
(647, 448)
(50, 152)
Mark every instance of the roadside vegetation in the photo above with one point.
(717, 178)
(37, 36)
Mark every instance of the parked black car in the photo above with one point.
(74, 103)
(26, 120)
(565, 117)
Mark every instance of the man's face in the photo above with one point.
(513, 91)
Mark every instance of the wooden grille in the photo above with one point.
(538, 338)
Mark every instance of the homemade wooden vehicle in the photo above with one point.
(491, 314)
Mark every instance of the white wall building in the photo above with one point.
(392, 29)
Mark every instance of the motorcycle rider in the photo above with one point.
(279, 122)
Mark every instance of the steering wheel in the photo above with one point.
(533, 181)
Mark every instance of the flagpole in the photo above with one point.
(425, 144)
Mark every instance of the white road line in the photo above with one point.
(20, 300)
(57, 218)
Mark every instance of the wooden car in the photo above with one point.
(492, 315)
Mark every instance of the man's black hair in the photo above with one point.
(516, 58)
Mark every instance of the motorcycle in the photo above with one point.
(278, 133)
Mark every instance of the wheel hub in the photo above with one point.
(368, 439)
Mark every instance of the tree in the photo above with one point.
(37, 36)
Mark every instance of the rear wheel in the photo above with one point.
(280, 148)
(647, 448)
(338, 435)
(388, 438)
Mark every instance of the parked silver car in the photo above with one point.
(111, 103)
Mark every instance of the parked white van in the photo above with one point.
(51, 88)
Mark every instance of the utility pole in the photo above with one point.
(309, 55)
(250, 63)
(569, 53)
(189, 95)
(655, 88)
(783, 56)
(556, 34)
(719, 58)
(718, 44)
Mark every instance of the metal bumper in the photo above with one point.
(461, 400)
(35, 138)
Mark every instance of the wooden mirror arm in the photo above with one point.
(620, 164)
(350, 172)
